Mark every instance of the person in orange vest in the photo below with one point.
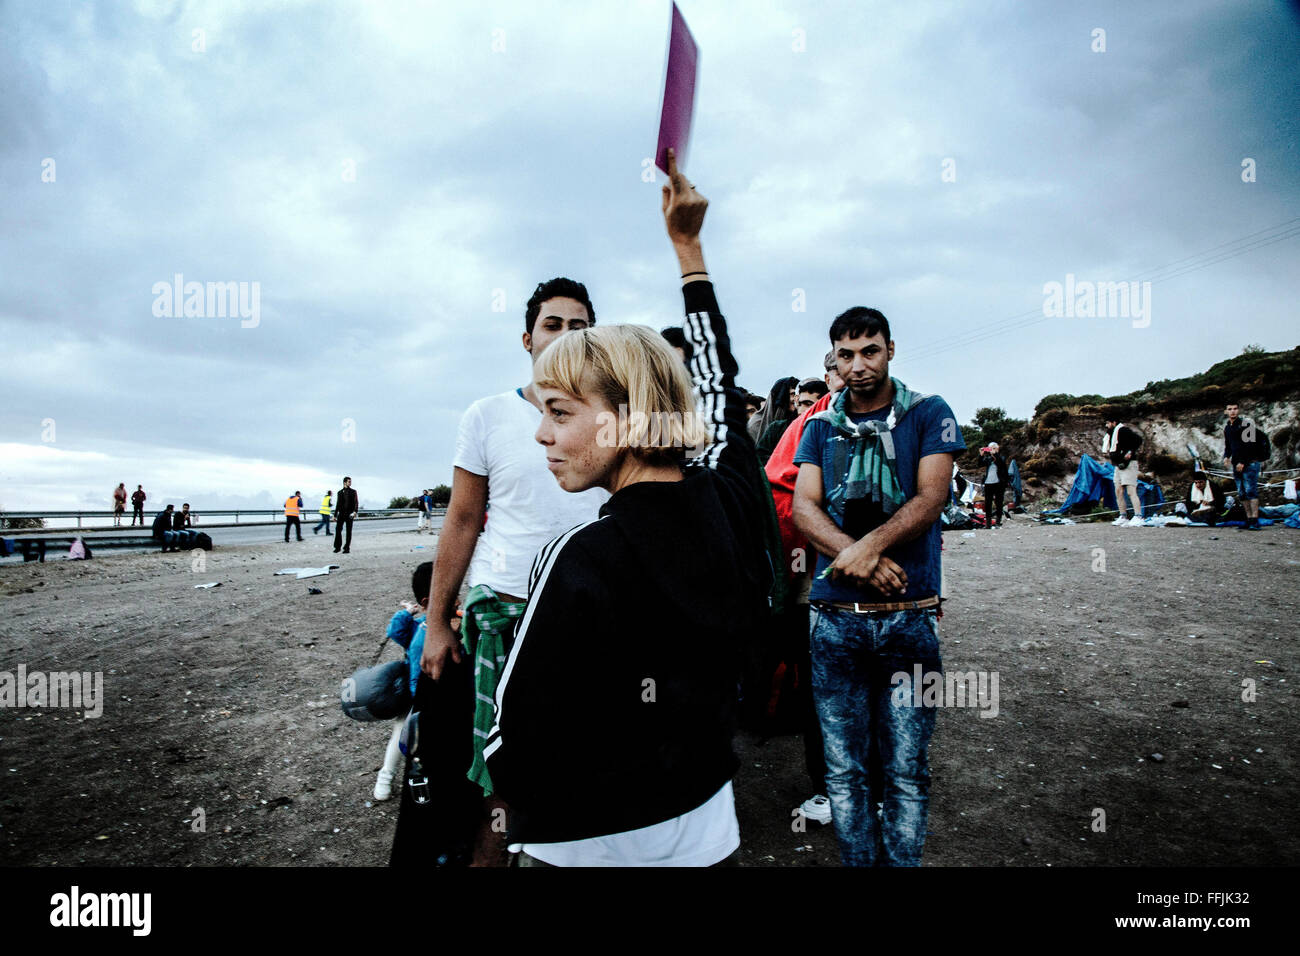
(292, 513)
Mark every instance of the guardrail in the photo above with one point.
(205, 517)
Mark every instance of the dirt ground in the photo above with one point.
(227, 700)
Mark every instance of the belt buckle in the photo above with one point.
(858, 609)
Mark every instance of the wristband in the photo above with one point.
(688, 274)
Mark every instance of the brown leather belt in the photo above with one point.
(880, 608)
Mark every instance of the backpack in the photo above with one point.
(1260, 449)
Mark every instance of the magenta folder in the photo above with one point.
(679, 92)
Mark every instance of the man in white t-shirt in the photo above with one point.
(501, 476)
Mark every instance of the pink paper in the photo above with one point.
(679, 93)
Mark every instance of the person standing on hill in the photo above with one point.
(293, 515)
(325, 506)
(1242, 456)
(344, 512)
(119, 503)
(137, 504)
(1121, 445)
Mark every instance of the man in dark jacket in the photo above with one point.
(162, 523)
(1121, 445)
(345, 509)
(996, 479)
(137, 505)
(1241, 454)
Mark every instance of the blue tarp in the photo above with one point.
(1095, 481)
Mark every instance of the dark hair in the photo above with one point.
(752, 399)
(814, 385)
(421, 581)
(185, 505)
(556, 288)
(346, 478)
(857, 321)
(675, 337)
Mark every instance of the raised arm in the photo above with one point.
(720, 402)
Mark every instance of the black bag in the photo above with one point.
(1260, 449)
(203, 541)
(440, 809)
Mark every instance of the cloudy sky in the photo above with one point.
(390, 174)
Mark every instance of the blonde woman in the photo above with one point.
(615, 711)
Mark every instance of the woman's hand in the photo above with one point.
(683, 208)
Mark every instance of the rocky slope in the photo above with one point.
(1170, 416)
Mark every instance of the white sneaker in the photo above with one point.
(1120, 521)
(817, 809)
(384, 785)
(1137, 522)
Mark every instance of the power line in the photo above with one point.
(1212, 256)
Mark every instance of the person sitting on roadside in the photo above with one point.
(182, 519)
(162, 525)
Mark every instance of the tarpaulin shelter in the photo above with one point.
(1095, 481)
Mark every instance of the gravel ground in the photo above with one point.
(1111, 646)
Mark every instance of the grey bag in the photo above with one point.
(382, 692)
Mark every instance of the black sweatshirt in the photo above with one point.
(617, 705)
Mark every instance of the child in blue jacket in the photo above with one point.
(406, 629)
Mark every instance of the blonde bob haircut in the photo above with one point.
(638, 375)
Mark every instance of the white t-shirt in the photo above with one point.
(526, 507)
(700, 837)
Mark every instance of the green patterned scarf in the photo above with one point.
(487, 623)
(863, 454)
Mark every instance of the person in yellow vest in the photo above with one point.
(326, 503)
(292, 514)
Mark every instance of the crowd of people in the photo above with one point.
(1245, 449)
(590, 693)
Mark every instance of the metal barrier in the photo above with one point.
(206, 517)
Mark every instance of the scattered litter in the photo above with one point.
(1179, 703)
(214, 584)
(968, 534)
(1158, 758)
(1216, 766)
(418, 547)
(308, 572)
(315, 591)
(1057, 521)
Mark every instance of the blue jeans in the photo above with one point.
(854, 657)
(324, 520)
(1247, 481)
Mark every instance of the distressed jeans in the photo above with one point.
(863, 713)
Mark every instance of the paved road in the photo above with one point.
(249, 534)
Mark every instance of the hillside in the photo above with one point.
(1170, 414)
